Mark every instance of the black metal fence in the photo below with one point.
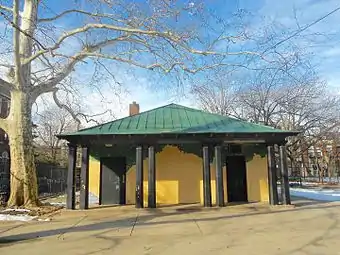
(52, 179)
(4, 178)
(311, 175)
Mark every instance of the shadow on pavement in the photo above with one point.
(146, 220)
(301, 202)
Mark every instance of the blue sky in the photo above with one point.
(326, 51)
(151, 91)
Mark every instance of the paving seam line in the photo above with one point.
(134, 224)
(74, 225)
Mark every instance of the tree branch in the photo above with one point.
(100, 15)
(89, 119)
(158, 65)
(50, 84)
(75, 116)
(5, 8)
(59, 42)
(65, 107)
(134, 31)
(16, 26)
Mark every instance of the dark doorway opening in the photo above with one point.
(236, 178)
(112, 181)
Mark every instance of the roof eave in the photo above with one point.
(72, 136)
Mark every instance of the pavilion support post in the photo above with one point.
(285, 194)
(206, 177)
(84, 179)
(139, 177)
(219, 177)
(152, 178)
(272, 176)
(71, 177)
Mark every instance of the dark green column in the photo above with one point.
(152, 178)
(272, 176)
(84, 179)
(206, 177)
(71, 177)
(284, 177)
(219, 177)
(139, 177)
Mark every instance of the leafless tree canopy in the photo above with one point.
(49, 123)
(290, 98)
(151, 36)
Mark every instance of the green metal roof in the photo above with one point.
(175, 119)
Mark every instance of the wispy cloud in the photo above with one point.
(114, 102)
(326, 33)
(141, 88)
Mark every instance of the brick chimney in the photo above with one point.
(133, 108)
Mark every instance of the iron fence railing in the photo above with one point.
(52, 180)
(298, 175)
(4, 179)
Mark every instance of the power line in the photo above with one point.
(303, 29)
(20, 30)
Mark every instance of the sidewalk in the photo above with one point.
(241, 229)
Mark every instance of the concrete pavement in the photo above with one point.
(309, 228)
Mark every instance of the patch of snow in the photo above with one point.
(47, 219)
(93, 199)
(303, 183)
(22, 217)
(16, 210)
(316, 194)
(58, 203)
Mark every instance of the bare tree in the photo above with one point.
(290, 98)
(218, 94)
(325, 155)
(49, 123)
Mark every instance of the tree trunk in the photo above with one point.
(24, 188)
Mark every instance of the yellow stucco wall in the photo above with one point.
(94, 176)
(179, 178)
(257, 179)
(178, 174)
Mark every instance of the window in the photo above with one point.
(4, 107)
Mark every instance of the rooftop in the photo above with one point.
(176, 119)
